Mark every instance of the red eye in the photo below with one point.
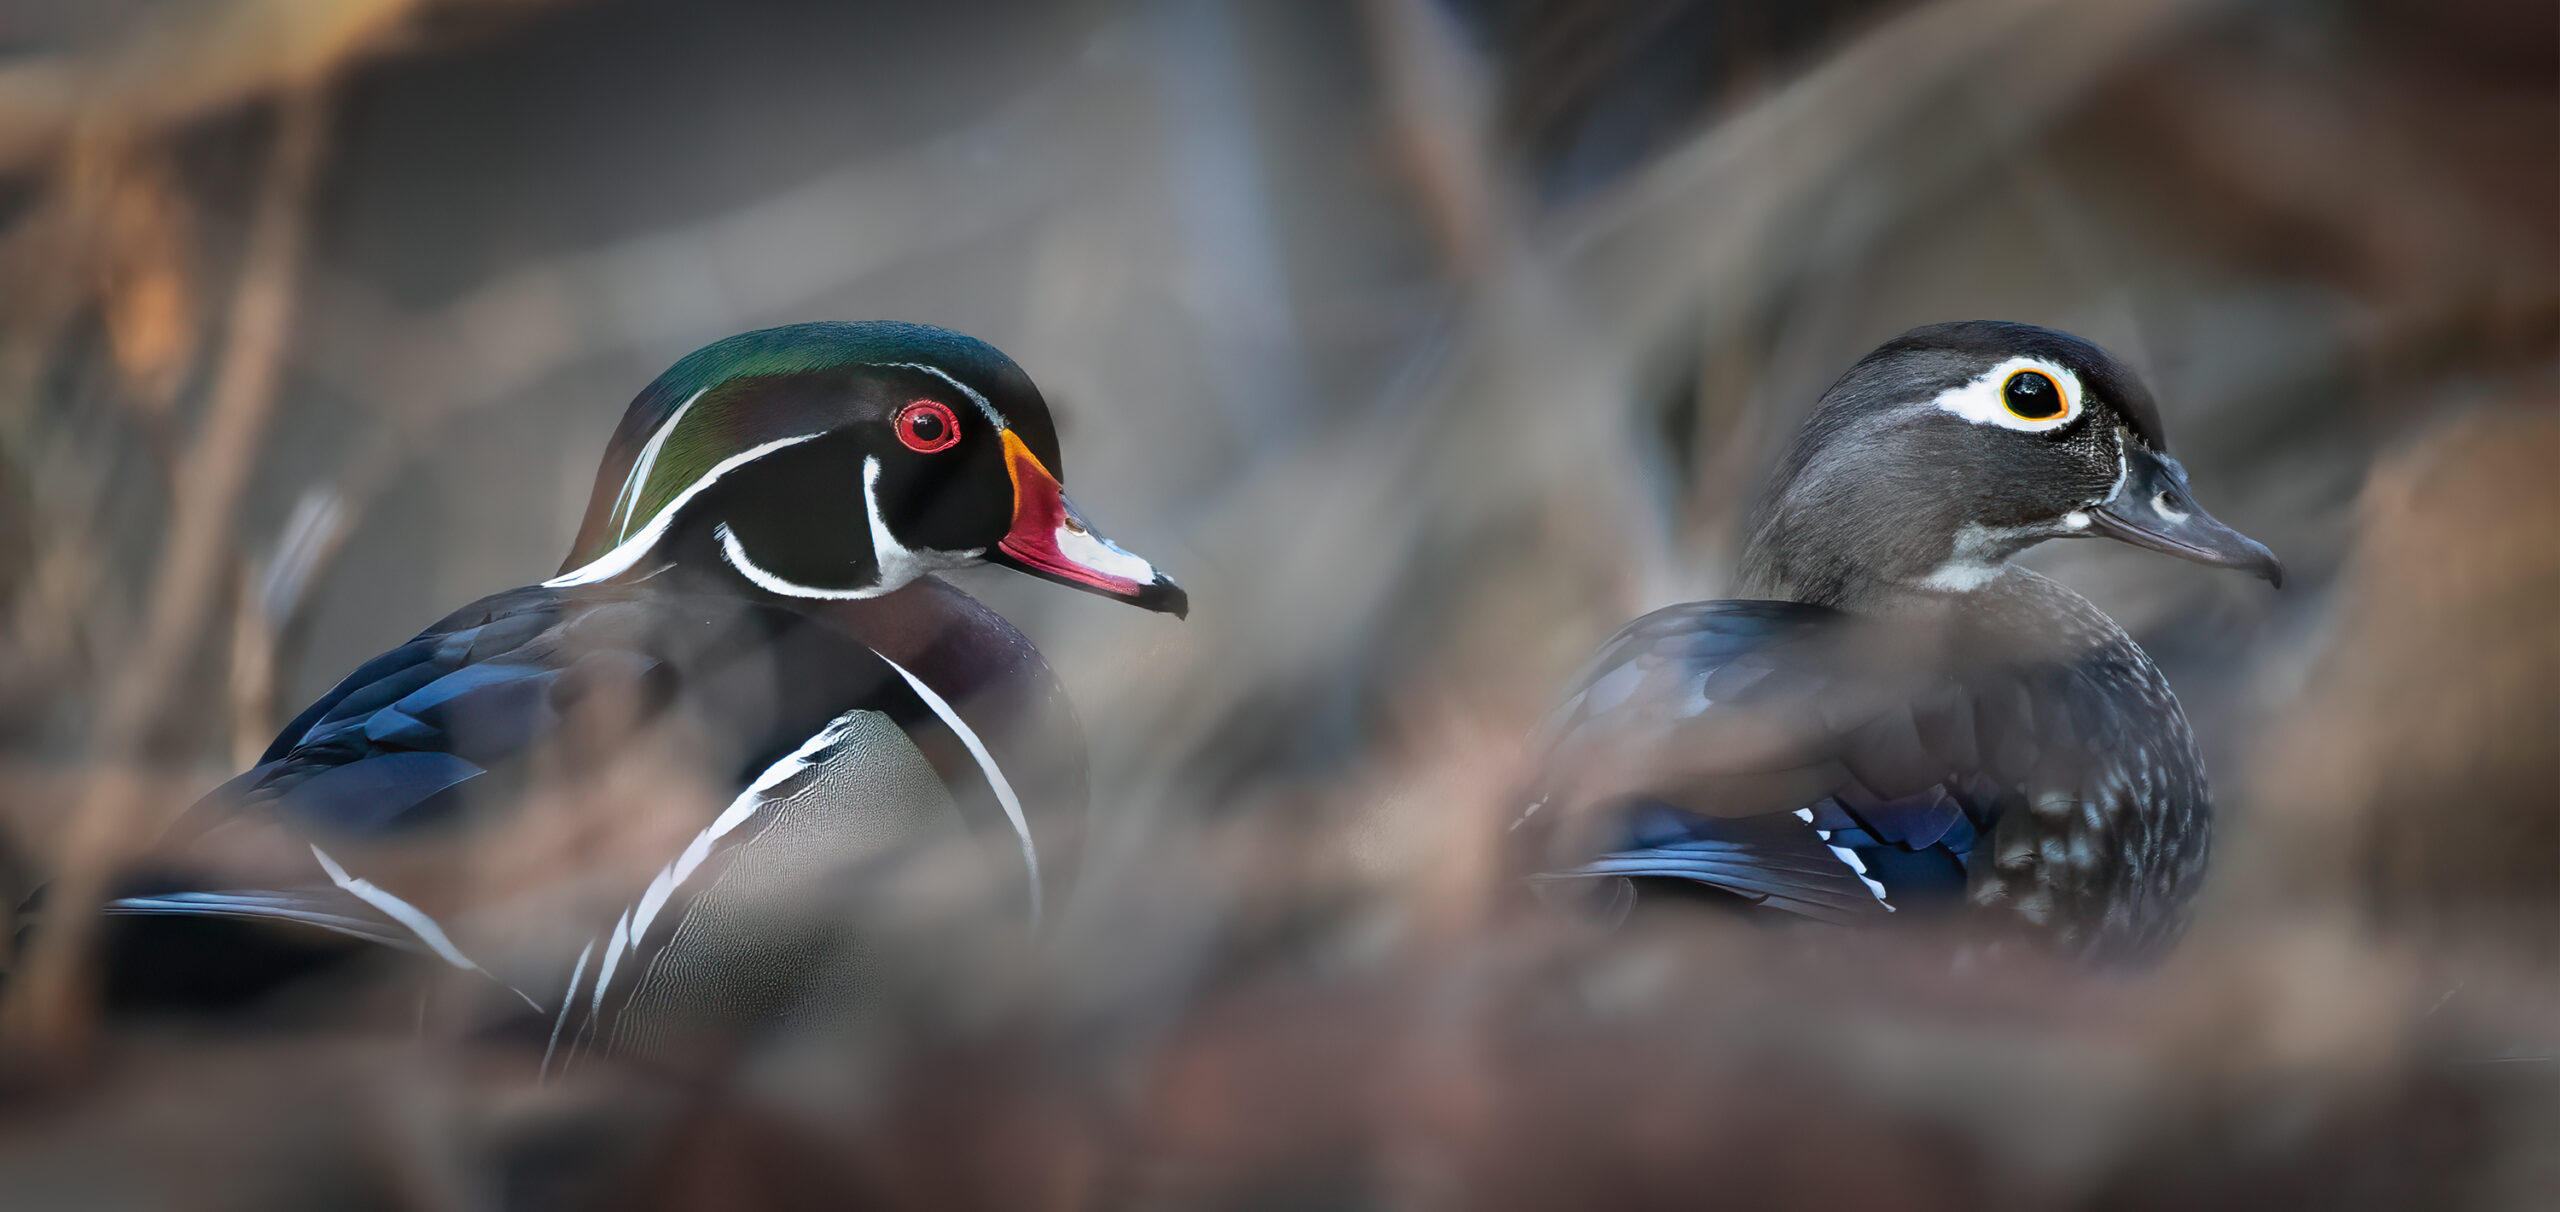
(926, 427)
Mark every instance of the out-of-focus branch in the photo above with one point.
(274, 596)
(1696, 223)
(636, 296)
(185, 61)
(1437, 114)
(647, 294)
(1566, 321)
(48, 1007)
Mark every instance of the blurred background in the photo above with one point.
(1425, 341)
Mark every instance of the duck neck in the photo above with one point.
(1861, 543)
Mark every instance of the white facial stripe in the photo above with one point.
(628, 552)
(995, 778)
(992, 415)
(1980, 400)
(629, 498)
(1102, 555)
(899, 563)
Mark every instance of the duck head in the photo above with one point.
(844, 460)
(1956, 446)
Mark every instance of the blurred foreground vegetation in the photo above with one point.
(1425, 341)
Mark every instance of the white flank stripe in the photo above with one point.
(612, 959)
(651, 902)
(696, 852)
(633, 927)
(995, 778)
(628, 552)
(567, 1000)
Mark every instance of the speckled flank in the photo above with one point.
(2116, 833)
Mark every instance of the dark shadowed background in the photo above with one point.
(1424, 341)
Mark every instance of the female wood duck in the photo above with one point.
(1908, 719)
(752, 566)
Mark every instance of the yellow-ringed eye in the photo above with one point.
(2032, 395)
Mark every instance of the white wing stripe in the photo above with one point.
(411, 916)
(397, 910)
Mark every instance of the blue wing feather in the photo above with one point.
(375, 794)
(1711, 683)
(390, 746)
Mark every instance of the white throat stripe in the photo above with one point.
(898, 564)
(995, 778)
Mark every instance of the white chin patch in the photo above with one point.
(1982, 400)
(1103, 556)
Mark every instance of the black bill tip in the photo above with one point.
(2152, 508)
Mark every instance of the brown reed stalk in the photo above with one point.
(49, 1010)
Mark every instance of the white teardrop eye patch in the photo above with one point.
(2026, 394)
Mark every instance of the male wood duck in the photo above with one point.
(1904, 720)
(754, 565)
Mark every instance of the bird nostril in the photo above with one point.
(1075, 525)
